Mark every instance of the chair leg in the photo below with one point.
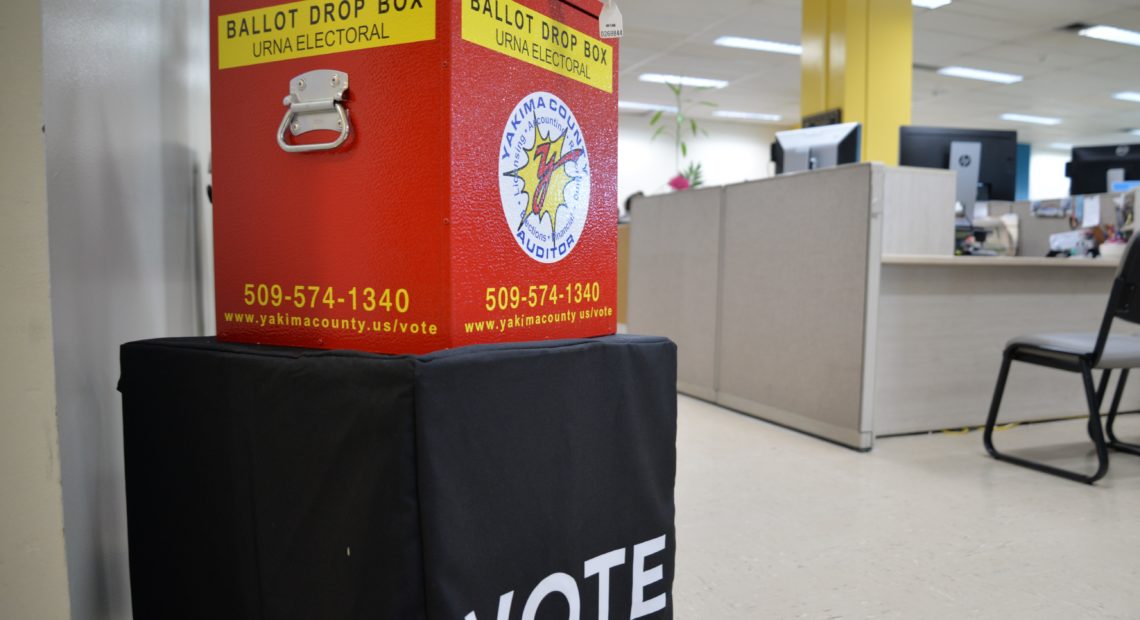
(995, 404)
(1113, 442)
(1102, 389)
(1095, 432)
(1094, 397)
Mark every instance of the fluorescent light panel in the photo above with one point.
(1135, 132)
(1029, 118)
(980, 74)
(747, 116)
(760, 45)
(1061, 146)
(1127, 96)
(636, 106)
(683, 80)
(1110, 33)
(929, 4)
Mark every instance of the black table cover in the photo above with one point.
(495, 482)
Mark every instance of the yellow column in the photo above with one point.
(857, 57)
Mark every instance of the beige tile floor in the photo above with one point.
(773, 524)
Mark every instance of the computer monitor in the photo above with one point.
(1092, 166)
(826, 146)
(985, 160)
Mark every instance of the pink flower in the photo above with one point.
(679, 182)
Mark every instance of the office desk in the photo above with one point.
(1011, 262)
(828, 302)
(944, 321)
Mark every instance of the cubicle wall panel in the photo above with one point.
(794, 300)
(918, 213)
(673, 267)
(942, 330)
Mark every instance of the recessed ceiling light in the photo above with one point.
(760, 45)
(1029, 118)
(635, 106)
(1135, 132)
(747, 116)
(1127, 96)
(929, 4)
(1109, 33)
(683, 80)
(1061, 146)
(980, 74)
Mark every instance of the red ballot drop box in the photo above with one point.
(403, 176)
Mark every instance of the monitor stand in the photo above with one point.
(824, 156)
(797, 159)
(966, 161)
(1112, 177)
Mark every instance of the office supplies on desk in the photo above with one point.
(1059, 208)
(1071, 243)
(1090, 215)
(994, 236)
(1112, 250)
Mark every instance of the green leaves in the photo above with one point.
(683, 123)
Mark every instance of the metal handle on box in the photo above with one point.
(314, 104)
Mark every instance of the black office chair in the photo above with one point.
(1083, 353)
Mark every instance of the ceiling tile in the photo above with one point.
(1065, 75)
(941, 48)
(987, 28)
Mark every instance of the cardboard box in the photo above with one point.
(440, 174)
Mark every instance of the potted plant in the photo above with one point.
(683, 125)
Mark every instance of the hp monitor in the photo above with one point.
(1092, 167)
(985, 160)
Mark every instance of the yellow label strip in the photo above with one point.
(318, 27)
(520, 33)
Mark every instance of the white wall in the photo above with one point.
(33, 570)
(1047, 174)
(731, 153)
(126, 107)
